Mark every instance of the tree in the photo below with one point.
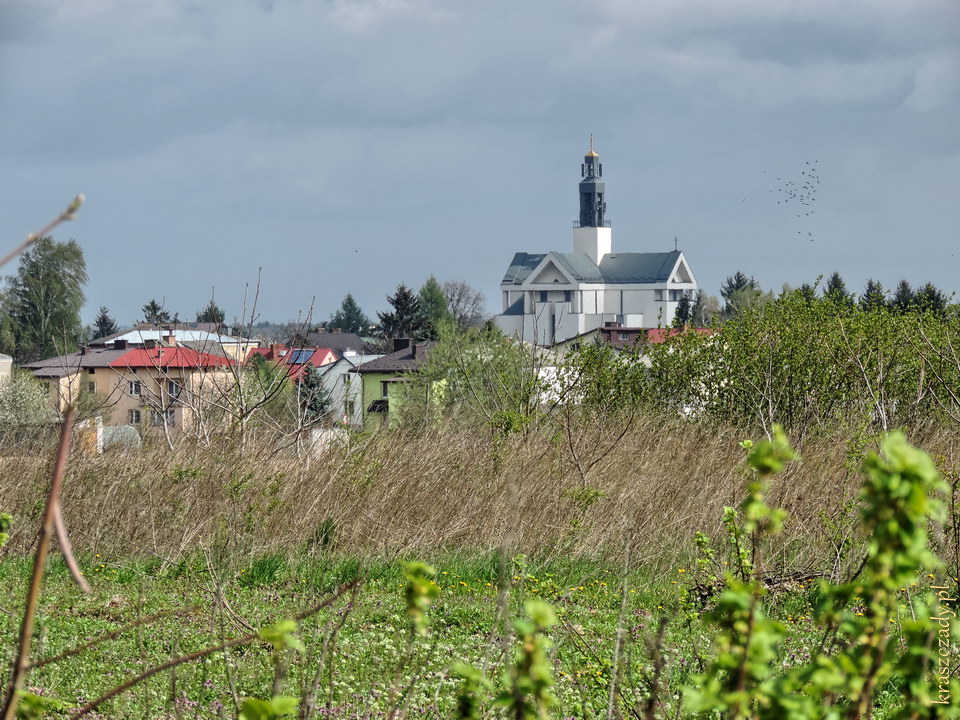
(808, 292)
(902, 299)
(434, 312)
(349, 317)
(740, 288)
(104, 325)
(836, 291)
(930, 298)
(873, 298)
(45, 298)
(23, 400)
(153, 312)
(684, 311)
(212, 313)
(705, 310)
(465, 304)
(405, 321)
(313, 396)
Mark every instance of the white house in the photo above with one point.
(554, 296)
(345, 387)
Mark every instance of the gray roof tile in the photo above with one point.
(615, 268)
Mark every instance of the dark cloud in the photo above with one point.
(349, 145)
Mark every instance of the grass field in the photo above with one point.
(374, 667)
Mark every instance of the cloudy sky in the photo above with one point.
(349, 145)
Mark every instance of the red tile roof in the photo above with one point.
(169, 357)
(295, 359)
(659, 335)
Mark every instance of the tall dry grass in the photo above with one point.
(416, 493)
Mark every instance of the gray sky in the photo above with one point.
(349, 145)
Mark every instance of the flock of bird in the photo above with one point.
(802, 191)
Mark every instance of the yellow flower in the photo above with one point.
(681, 570)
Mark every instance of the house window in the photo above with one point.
(158, 418)
(543, 296)
(623, 336)
(658, 295)
(384, 388)
(566, 296)
(91, 371)
(133, 417)
(173, 389)
(349, 407)
(134, 387)
(675, 295)
(91, 387)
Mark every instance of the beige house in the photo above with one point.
(162, 385)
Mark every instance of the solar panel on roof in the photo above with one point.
(301, 357)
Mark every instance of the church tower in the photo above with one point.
(591, 232)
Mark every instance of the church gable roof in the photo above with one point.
(520, 267)
(615, 268)
(638, 267)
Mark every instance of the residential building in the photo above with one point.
(339, 342)
(346, 388)
(294, 360)
(552, 297)
(203, 337)
(382, 379)
(159, 384)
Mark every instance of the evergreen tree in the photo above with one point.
(808, 292)
(902, 299)
(212, 313)
(434, 311)
(349, 317)
(930, 298)
(836, 291)
(705, 310)
(104, 325)
(313, 396)
(741, 287)
(873, 298)
(406, 320)
(153, 312)
(684, 311)
(45, 298)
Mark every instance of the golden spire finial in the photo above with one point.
(591, 153)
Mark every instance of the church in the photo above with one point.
(552, 297)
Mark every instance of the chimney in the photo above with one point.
(119, 344)
(275, 349)
(400, 344)
(83, 349)
(150, 344)
(170, 339)
(336, 331)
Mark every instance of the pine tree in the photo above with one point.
(684, 311)
(45, 298)
(903, 298)
(313, 396)
(153, 312)
(349, 317)
(434, 310)
(873, 298)
(931, 299)
(808, 292)
(737, 291)
(836, 291)
(104, 325)
(405, 321)
(212, 313)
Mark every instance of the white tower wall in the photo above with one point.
(593, 241)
